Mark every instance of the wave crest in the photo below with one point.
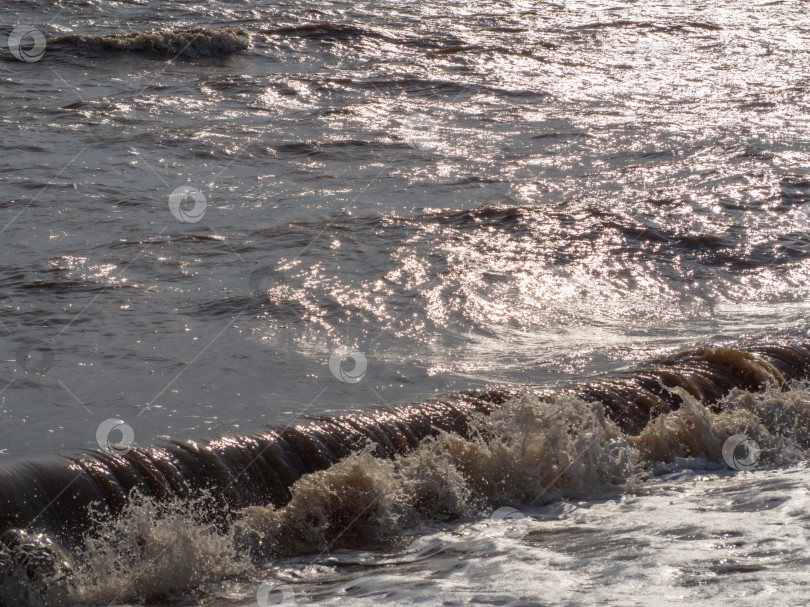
(532, 450)
(192, 42)
(361, 482)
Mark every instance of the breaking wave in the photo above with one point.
(173, 517)
(191, 42)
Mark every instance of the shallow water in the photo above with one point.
(467, 195)
(696, 539)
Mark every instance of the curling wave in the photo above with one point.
(86, 527)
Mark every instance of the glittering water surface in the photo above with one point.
(467, 194)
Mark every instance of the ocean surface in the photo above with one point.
(217, 217)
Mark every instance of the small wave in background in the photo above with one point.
(192, 42)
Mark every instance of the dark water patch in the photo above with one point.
(494, 215)
(65, 287)
(705, 26)
(336, 149)
(231, 84)
(423, 87)
(329, 32)
(484, 49)
(333, 32)
(168, 240)
(795, 191)
(57, 281)
(286, 305)
(569, 136)
(650, 26)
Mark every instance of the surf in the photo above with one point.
(189, 42)
(359, 480)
